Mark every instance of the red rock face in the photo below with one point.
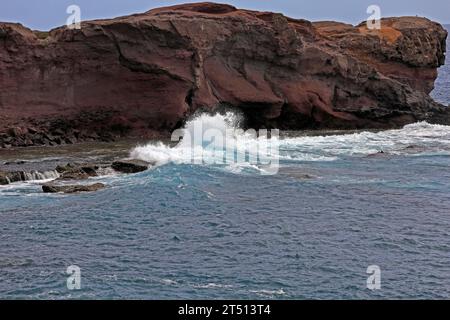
(142, 75)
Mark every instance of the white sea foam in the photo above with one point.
(169, 282)
(214, 139)
(413, 139)
(213, 286)
(269, 293)
(36, 176)
(41, 176)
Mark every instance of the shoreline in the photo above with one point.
(59, 165)
(49, 156)
(76, 163)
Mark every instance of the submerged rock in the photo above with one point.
(19, 162)
(296, 173)
(379, 154)
(130, 166)
(51, 188)
(281, 72)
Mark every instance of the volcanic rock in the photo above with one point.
(74, 172)
(51, 188)
(3, 178)
(144, 74)
(20, 176)
(130, 166)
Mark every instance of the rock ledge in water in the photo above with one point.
(77, 172)
(8, 177)
(50, 188)
(130, 166)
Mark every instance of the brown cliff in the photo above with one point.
(142, 75)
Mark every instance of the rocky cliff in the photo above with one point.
(142, 75)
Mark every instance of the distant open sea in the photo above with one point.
(191, 231)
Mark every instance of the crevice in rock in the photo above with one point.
(189, 98)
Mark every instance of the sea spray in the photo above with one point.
(412, 139)
(216, 140)
(253, 150)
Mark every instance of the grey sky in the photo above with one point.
(46, 14)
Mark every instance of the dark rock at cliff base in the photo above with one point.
(144, 74)
(51, 188)
(130, 166)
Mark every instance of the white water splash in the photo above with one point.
(36, 176)
(214, 139)
(212, 286)
(39, 176)
(419, 138)
(269, 293)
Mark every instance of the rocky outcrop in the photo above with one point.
(52, 188)
(77, 172)
(130, 166)
(8, 177)
(143, 75)
(73, 172)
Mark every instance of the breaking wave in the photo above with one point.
(213, 140)
(414, 139)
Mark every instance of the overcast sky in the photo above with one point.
(47, 14)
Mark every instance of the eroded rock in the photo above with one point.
(20, 176)
(130, 166)
(77, 172)
(142, 75)
(52, 188)
(3, 179)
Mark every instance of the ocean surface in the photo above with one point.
(231, 231)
